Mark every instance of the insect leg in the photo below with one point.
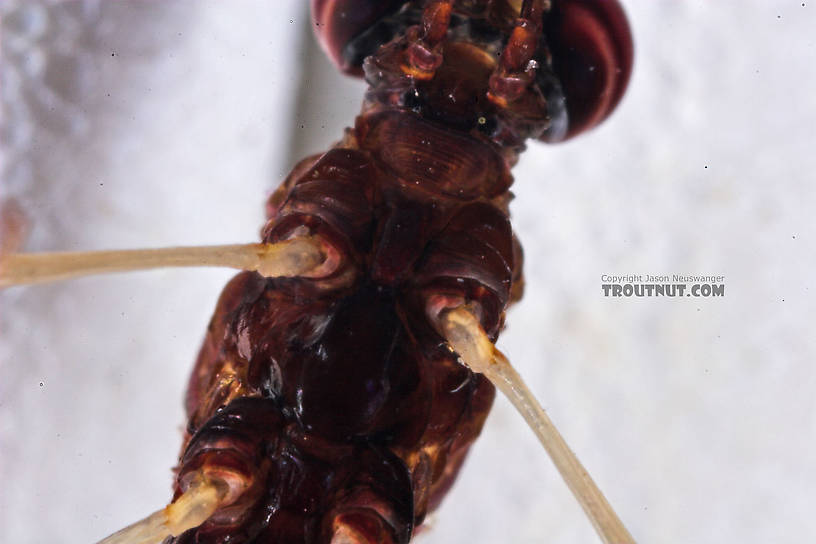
(190, 510)
(461, 328)
(221, 474)
(287, 258)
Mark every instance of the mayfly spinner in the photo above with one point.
(350, 366)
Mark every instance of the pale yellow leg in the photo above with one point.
(190, 510)
(466, 337)
(283, 259)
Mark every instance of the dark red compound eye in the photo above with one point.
(337, 22)
(591, 47)
(590, 42)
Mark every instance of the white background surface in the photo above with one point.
(151, 124)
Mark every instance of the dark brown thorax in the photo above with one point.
(330, 401)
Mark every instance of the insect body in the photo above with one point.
(330, 404)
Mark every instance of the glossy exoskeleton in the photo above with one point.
(332, 405)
